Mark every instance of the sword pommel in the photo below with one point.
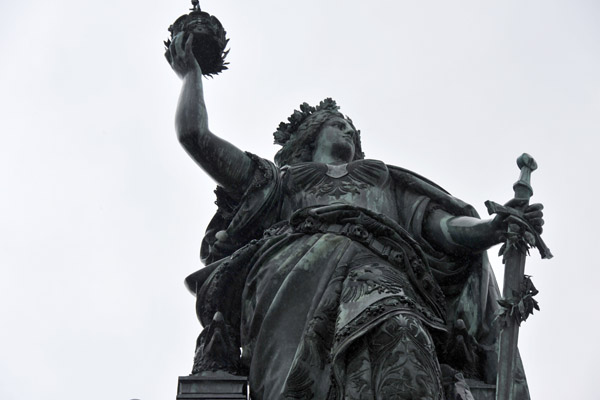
(525, 160)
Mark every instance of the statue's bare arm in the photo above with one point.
(468, 234)
(230, 167)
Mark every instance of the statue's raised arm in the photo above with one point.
(226, 164)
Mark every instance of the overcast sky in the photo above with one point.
(102, 212)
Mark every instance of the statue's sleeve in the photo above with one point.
(414, 208)
(239, 220)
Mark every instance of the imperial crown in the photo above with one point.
(209, 39)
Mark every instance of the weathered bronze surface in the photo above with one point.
(341, 277)
(210, 39)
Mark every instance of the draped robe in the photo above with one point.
(314, 258)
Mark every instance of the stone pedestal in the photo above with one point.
(217, 386)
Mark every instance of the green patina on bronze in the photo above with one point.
(342, 277)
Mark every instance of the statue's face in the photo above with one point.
(337, 136)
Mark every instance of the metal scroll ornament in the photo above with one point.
(209, 39)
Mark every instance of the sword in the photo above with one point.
(517, 286)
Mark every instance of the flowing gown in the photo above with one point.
(324, 272)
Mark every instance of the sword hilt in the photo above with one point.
(522, 187)
(523, 191)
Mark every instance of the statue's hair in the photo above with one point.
(298, 137)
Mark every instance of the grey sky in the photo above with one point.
(102, 213)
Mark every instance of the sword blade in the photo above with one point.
(514, 271)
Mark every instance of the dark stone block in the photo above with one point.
(218, 385)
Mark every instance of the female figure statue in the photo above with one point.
(338, 276)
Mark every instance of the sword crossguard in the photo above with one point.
(495, 208)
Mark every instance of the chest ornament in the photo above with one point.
(338, 187)
(337, 171)
(320, 180)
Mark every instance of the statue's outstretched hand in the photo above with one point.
(517, 219)
(531, 216)
(181, 56)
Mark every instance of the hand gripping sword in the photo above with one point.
(520, 234)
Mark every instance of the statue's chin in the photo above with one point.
(343, 151)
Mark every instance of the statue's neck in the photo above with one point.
(332, 158)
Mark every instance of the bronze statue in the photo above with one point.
(339, 277)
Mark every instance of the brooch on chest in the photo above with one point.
(337, 171)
